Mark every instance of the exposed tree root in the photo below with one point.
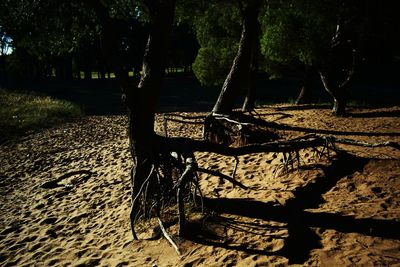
(173, 178)
(180, 166)
(366, 144)
(168, 237)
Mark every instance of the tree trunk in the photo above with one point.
(340, 67)
(250, 99)
(240, 70)
(87, 73)
(68, 73)
(338, 94)
(141, 100)
(305, 92)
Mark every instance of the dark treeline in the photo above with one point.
(87, 61)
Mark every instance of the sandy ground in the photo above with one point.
(332, 211)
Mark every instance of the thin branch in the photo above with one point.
(166, 235)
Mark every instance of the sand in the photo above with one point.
(331, 212)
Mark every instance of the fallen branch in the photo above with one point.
(185, 116)
(184, 121)
(366, 144)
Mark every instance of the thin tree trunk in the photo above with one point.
(87, 74)
(250, 99)
(240, 70)
(338, 94)
(68, 69)
(342, 51)
(305, 92)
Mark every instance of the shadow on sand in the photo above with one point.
(298, 222)
(280, 126)
(376, 114)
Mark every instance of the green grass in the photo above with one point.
(23, 111)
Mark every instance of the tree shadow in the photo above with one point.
(281, 115)
(277, 126)
(376, 114)
(303, 107)
(299, 222)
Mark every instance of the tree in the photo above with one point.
(48, 31)
(241, 69)
(217, 27)
(141, 100)
(57, 33)
(183, 48)
(158, 158)
(327, 37)
(300, 33)
(60, 33)
(227, 30)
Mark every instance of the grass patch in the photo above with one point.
(23, 111)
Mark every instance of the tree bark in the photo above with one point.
(240, 70)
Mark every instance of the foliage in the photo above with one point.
(298, 32)
(21, 112)
(310, 32)
(54, 31)
(47, 28)
(218, 31)
(213, 62)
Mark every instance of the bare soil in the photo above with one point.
(335, 210)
